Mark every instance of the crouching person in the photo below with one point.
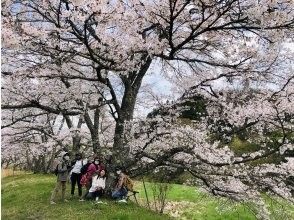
(124, 184)
(62, 171)
(98, 186)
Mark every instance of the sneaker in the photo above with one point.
(97, 198)
(52, 202)
(65, 200)
(122, 201)
(81, 200)
(98, 202)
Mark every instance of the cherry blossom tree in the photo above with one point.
(106, 48)
(31, 142)
(123, 37)
(167, 140)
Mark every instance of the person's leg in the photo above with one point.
(63, 185)
(124, 193)
(73, 179)
(89, 184)
(55, 191)
(116, 194)
(79, 177)
(90, 196)
(99, 193)
(85, 194)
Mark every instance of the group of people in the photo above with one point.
(91, 174)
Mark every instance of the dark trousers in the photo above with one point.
(76, 178)
(120, 193)
(93, 195)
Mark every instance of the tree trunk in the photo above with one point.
(76, 139)
(29, 163)
(132, 85)
(120, 150)
(95, 132)
(43, 159)
(50, 161)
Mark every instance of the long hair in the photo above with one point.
(99, 175)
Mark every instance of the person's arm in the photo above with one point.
(100, 183)
(103, 183)
(69, 167)
(91, 170)
(73, 163)
(94, 183)
(62, 168)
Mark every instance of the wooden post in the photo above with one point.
(146, 193)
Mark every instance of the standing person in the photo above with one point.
(98, 185)
(120, 191)
(86, 180)
(62, 171)
(76, 175)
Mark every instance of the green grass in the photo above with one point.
(27, 197)
(197, 205)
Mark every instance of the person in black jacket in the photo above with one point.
(76, 175)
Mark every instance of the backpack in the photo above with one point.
(128, 183)
(85, 168)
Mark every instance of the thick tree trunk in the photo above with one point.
(120, 152)
(132, 85)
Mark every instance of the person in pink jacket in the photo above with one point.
(87, 178)
(91, 170)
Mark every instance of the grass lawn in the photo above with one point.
(193, 204)
(27, 197)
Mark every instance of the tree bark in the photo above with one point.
(120, 152)
(132, 85)
(76, 139)
(94, 129)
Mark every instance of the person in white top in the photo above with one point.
(76, 175)
(98, 185)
